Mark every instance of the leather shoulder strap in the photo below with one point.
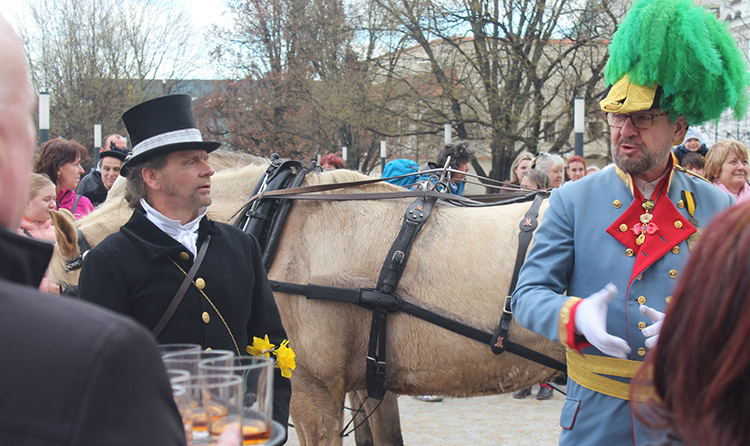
(167, 316)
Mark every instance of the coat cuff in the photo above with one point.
(566, 329)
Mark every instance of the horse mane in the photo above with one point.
(346, 176)
(224, 159)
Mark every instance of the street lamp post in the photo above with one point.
(578, 125)
(43, 117)
(97, 142)
(382, 155)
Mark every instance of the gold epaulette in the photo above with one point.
(682, 169)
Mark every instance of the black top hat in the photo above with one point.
(162, 125)
(120, 154)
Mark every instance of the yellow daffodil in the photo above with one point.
(261, 347)
(285, 359)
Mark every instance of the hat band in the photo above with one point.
(164, 139)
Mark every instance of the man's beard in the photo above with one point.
(649, 159)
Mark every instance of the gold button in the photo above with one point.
(678, 224)
(184, 256)
(673, 273)
(680, 204)
(623, 227)
(200, 283)
(208, 349)
(641, 351)
(206, 317)
(616, 204)
(629, 252)
(676, 250)
(668, 299)
(641, 325)
(641, 300)
(640, 276)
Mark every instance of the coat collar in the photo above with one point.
(154, 242)
(22, 259)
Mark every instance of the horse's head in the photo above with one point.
(67, 254)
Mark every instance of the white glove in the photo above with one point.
(591, 322)
(652, 331)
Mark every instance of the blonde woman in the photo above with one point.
(727, 168)
(36, 222)
(520, 167)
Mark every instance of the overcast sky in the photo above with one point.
(204, 14)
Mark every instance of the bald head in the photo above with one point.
(17, 135)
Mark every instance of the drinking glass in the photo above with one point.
(212, 404)
(257, 399)
(188, 360)
(165, 349)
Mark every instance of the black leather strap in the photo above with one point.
(392, 302)
(527, 225)
(167, 316)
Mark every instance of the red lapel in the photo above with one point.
(673, 229)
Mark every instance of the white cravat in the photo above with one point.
(186, 235)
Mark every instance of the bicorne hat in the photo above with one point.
(162, 125)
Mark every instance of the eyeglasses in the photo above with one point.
(641, 121)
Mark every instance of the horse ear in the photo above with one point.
(66, 233)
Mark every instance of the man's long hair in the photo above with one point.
(136, 187)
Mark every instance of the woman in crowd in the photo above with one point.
(726, 167)
(520, 167)
(60, 159)
(701, 369)
(552, 165)
(36, 222)
(535, 179)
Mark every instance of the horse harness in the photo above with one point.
(264, 217)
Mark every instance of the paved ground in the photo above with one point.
(497, 420)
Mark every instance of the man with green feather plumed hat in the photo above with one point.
(612, 245)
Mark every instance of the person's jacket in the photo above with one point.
(92, 187)
(680, 151)
(72, 373)
(137, 271)
(79, 205)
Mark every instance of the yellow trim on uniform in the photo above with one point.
(563, 319)
(690, 202)
(587, 371)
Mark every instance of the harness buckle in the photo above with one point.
(506, 306)
(398, 256)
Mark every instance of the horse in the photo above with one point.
(460, 267)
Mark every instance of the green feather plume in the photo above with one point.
(685, 50)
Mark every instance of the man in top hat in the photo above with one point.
(612, 246)
(138, 270)
(72, 373)
(97, 183)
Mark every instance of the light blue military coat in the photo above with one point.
(574, 255)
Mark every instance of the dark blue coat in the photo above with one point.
(132, 272)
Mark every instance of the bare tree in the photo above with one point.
(97, 58)
(504, 68)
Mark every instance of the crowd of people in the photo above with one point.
(640, 262)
